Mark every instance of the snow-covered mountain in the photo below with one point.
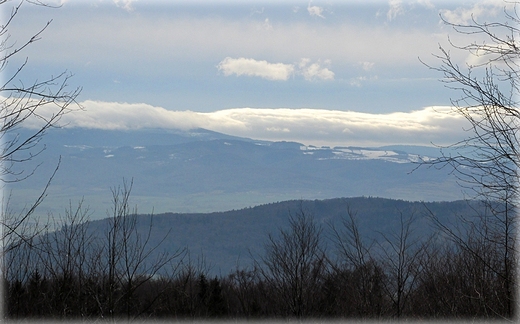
(203, 171)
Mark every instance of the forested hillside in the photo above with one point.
(225, 238)
(338, 258)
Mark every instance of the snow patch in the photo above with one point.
(80, 147)
(358, 153)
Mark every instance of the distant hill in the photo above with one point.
(205, 171)
(228, 239)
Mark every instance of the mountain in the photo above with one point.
(204, 171)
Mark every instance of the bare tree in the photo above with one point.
(41, 103)
(489, 157)
(358, 272)
(131, 257)
(244, 287)
(63, 255)
(486, 162)
(400, 253)
(294, 264)
(21, 102)
(478, 256)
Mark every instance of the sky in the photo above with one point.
(334, 73)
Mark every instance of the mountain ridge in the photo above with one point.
(201, 170)
(225, 240)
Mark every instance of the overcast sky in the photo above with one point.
(316, 72)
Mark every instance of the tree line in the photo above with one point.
(466, 270)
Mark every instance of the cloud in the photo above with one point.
(255, 11)
(367, 66)
(276, 71)
(358, 81)
(315, 11)
(464, 15)
(396, 9)
(56, 3)
(426, 3)
(308, 126)
(251, 67)
(167, 42)
(337, 128)
(125, 4)
(315, 70)
(114, 115)
(266, 25)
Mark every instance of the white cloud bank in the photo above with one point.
(307, 126)
(275, 71)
